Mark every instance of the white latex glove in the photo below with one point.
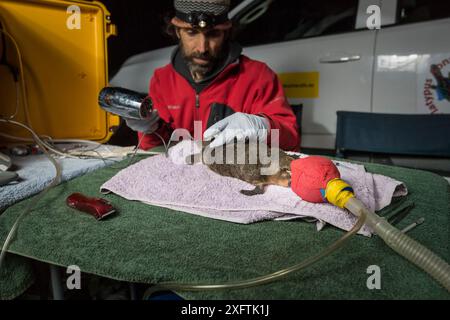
(144, 125)
(240, 126)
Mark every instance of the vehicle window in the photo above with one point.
(284, 20)
(410, 11)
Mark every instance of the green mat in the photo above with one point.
(148, 244)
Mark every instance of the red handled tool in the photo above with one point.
(99, 208)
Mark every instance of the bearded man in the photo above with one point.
(209, 80)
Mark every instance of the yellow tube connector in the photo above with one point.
(338, 192)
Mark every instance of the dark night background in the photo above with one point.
(140, 25)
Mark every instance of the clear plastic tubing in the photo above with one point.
(263, 279)
(403, 245)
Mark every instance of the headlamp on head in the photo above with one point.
(202, 14)
(202, 20)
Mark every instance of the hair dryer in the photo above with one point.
(126, 103)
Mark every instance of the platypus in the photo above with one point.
(247, 162)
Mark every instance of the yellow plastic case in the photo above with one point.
(64, 51)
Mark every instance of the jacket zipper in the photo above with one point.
(197, 95)
(197, 106)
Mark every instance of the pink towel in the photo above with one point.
(169, 182)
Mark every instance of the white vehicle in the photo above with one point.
(328, 59)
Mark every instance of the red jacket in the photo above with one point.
(245, 85)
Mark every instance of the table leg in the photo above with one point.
(57, 287)
(133, 291)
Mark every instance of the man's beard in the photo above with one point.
(203, 70)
